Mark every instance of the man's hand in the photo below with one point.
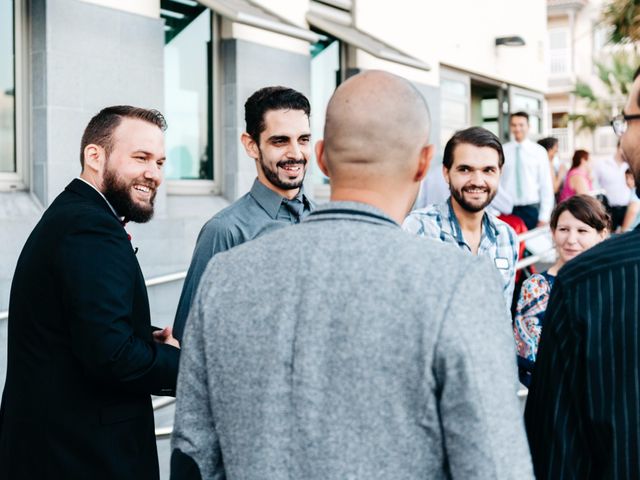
(166, 336)
(541, 223)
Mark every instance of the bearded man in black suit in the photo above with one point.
(82, 357)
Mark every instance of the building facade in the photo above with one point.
(197, 61)
(577, 39)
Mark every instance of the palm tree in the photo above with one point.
(616, 74)
(624, 17)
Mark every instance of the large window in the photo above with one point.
(326, 75)
(559, 51)
(189, 89)
(8, 162)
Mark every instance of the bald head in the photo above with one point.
(376, 124)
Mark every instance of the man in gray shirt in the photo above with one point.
(278, 138)
(344, 347)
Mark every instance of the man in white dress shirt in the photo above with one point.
(610, 173)
(526, 177)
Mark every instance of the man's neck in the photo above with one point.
(395, 208)
(469, 221)
(90, 179)
(470, 224)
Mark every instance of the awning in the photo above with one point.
(241, 11)
(364, 41)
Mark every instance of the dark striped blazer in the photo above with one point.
(583, 411)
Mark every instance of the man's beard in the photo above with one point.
(471, 207)
(118, 193)
(272, 175)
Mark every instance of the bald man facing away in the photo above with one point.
(365, 362)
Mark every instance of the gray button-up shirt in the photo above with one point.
(259, 211)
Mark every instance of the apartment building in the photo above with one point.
(577, 38)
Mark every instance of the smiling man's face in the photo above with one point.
(133, 170)
(283, 153)
(474, 176)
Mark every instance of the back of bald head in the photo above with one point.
(376, 124)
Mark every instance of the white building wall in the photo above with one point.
(462, 33)
(149, 8)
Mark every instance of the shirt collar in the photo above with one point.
(270, 201)
(489, 228)
(351, 210)
(104, 198)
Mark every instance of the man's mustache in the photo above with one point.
(286, 163)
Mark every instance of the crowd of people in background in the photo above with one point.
(352, 340)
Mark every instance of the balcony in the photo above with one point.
(558, 6)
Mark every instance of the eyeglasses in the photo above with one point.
(619, 123)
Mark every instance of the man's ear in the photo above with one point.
(250, 146)
(445, 174)
(320, 158)
(424, 161)
(94, 158)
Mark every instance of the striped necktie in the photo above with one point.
(518, 172)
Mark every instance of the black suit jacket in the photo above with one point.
(81, 359)
(583, 410)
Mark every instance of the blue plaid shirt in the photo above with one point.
(498, 242)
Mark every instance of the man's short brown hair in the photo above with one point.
(100, 129)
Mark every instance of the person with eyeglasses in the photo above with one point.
(583, 410)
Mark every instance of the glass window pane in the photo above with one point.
(535, 125)
(325, 70)
(188, 90)
(492, 126)
(453, 87)
(489, 108)
(7, 89)
(526, 103)
(454, 112)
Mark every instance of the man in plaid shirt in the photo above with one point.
(471, 165)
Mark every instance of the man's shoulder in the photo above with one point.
(503, 227)
(425, 221)
(78, 210)
(611, 255)
(229, 216)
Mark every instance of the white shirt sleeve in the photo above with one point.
(546, 186)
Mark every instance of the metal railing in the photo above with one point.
(171, 277)
(160, 402)
(531, 259)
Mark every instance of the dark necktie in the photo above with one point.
(296, 207)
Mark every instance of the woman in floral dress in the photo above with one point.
(577, 224)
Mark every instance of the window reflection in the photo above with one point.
(325, 73)
(188, 90)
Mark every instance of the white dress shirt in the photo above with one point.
(536, 183)
(610, 177)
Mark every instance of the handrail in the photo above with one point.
(531, 259)
(162, 402)
(152, 282)
(171, 277)
(163, 433)
(536, 232)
